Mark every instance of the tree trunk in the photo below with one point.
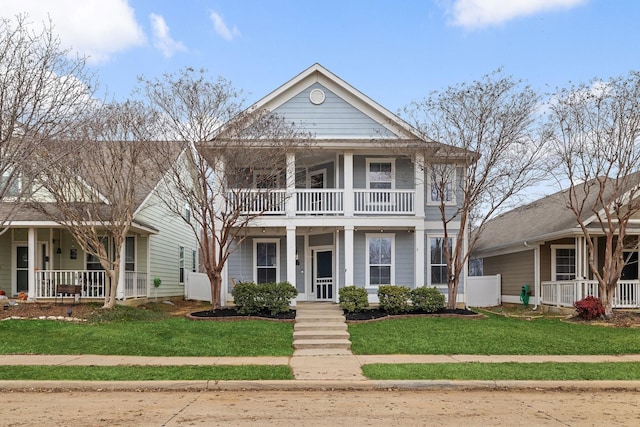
(111, 288)
(215, 280)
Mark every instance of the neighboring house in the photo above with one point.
(36, 253)
(541, 245)
(354, 210)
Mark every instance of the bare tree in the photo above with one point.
(596, 130)
(43, 92)
(486, 153)
(98, 186)
(236, 162)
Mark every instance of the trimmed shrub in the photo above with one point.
(276, 297)
(272, 297)
(394, 299)
(589, 308)
(353, 299)
(245, 298)
(427, 299)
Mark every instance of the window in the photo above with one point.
(438, 260)
(93, 262)
(380, 259)
(266, 261)
(10, 184)
(187, 213)
(130, 254)
(267, 179)
(564, 262)
(380, 174)
(194, 260)
(440, 181)
(181, 264)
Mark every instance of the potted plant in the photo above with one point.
(156, 282)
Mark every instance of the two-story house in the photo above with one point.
(356, 212)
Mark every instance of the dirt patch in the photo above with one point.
(69, 309)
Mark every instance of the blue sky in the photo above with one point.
(393, 51)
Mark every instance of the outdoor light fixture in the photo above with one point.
(59, 250)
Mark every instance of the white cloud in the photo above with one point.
(474, 14)
(161, 38)
(96, 28)
(221, 27)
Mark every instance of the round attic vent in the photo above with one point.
(317, 96)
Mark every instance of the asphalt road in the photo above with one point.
(321, 408)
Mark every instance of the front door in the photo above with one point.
(22, 269)
(322, 283)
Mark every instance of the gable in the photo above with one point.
(332, 118)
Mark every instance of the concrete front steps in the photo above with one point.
(320, 329)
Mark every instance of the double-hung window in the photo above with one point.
(380, 259)
(563, 262)
(440, 179)
(266, 261)
(438, 260)
(380, 177)
(181, 264)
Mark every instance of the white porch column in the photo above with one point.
(536, 273)
(348, 255)
(336, 279)
(419, 256)
(31, 264)
(419, 185)
(121, 277)
(291, 185)
(348, 185)
(291, 254)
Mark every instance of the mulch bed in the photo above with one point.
(363, 316)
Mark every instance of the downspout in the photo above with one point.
(536, 272)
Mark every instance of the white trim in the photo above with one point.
(255, 257)
(390, 160)
(367, 279)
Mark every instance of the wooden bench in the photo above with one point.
(63, 290)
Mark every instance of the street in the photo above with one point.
(321, 408)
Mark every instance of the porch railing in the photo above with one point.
(91, 282)
(563, 293)
(258, 201)
(135, 284)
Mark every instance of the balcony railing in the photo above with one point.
(319, 201)
(324, 201)
(398, 202)
(564, 293)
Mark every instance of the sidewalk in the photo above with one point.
(344, 365)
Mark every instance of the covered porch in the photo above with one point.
(565, 292)
(37, 259)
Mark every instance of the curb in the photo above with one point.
(320, 385)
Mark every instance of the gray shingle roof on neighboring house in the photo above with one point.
(542, 219)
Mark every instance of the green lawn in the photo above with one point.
(164, 337)
(492, 335)
(504, 371)
(145, 373)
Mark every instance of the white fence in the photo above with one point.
(197, 287)
(563, 293)
(483, 291)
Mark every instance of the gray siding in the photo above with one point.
(404, 174)
(333, 118)
(404, 259)
(517, 269)
(173, 232)
(301, 267)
